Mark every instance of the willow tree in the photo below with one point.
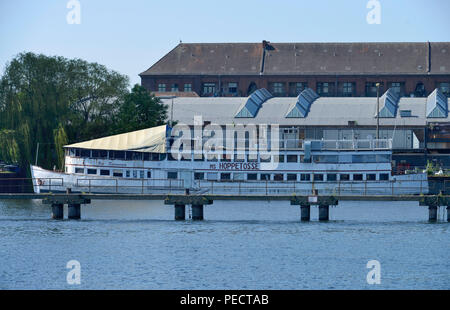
(54, 100)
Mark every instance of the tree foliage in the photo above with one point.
(54, 101)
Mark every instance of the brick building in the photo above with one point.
(285, 69)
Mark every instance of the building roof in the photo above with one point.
(304, 59)
(152, 140)
(324, 111)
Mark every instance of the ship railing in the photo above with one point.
(344, 188)
(287, 144)
(136, 186)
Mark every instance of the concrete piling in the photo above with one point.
(74, 211)
(305, 211)
(197, 212)
(324, 212)
(432, 217)
(180, 212)
(57, 211)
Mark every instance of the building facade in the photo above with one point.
(286, 69)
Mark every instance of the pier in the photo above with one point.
(198, 202)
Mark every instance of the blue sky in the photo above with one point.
(130, 36)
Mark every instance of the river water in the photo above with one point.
(240, 245)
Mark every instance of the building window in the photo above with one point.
(305, 177)
(296, 88)
(347, 89)
(104, 172)
(225, 176)
(344, 177)
(232, 88)
(252, 176)
(79, 170)
(371, 89)
(161, 87)
(278, 88)
(420, 90)
(187, 87)
(174, 87)
(384, 176)
(291, 177)
(445, 88)
(278, 177)
(331, 177)
(92, 171)
(324, 89)
(209, 88)
(357, 177)
(172, 175)
(397, 87)
(278, 158)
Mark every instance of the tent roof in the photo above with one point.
(151, 140)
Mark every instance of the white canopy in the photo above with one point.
(150, 140)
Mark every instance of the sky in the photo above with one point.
(130, 36)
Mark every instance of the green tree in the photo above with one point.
(139, 110)
(53, 101)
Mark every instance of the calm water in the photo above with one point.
(240, 245)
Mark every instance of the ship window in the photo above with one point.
(252, 158)
(99, 154)
(156, 157)
(239, 176)
(363, 158)
(146, 156)
(331, 177)
(292, 177)
(92, 171)
(357, 177)
(264, 158)
(225, 158)
(239, 157)
(383, 158)
(86, 153)
(172, 175)
(384, 176)
(345, 158)
(127, 173)
(118, 173)
(149, 174)
(278, 158)
(199, 176)
(225, 176)
(325, 158)
(252, 176)
(212, 176)
(141, 174)
(305, 177)
(371, 177)
(104, 172)
(117, 154)
(211, 157)
(137, 156)
(172, 156)
(318, 177)
(292, 158)
(186, 157)
(265, 177)
(79, 170)
(344, 177)
(72, 152)
(134, 174)
(278, 177)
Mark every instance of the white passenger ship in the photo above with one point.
(139, 163)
